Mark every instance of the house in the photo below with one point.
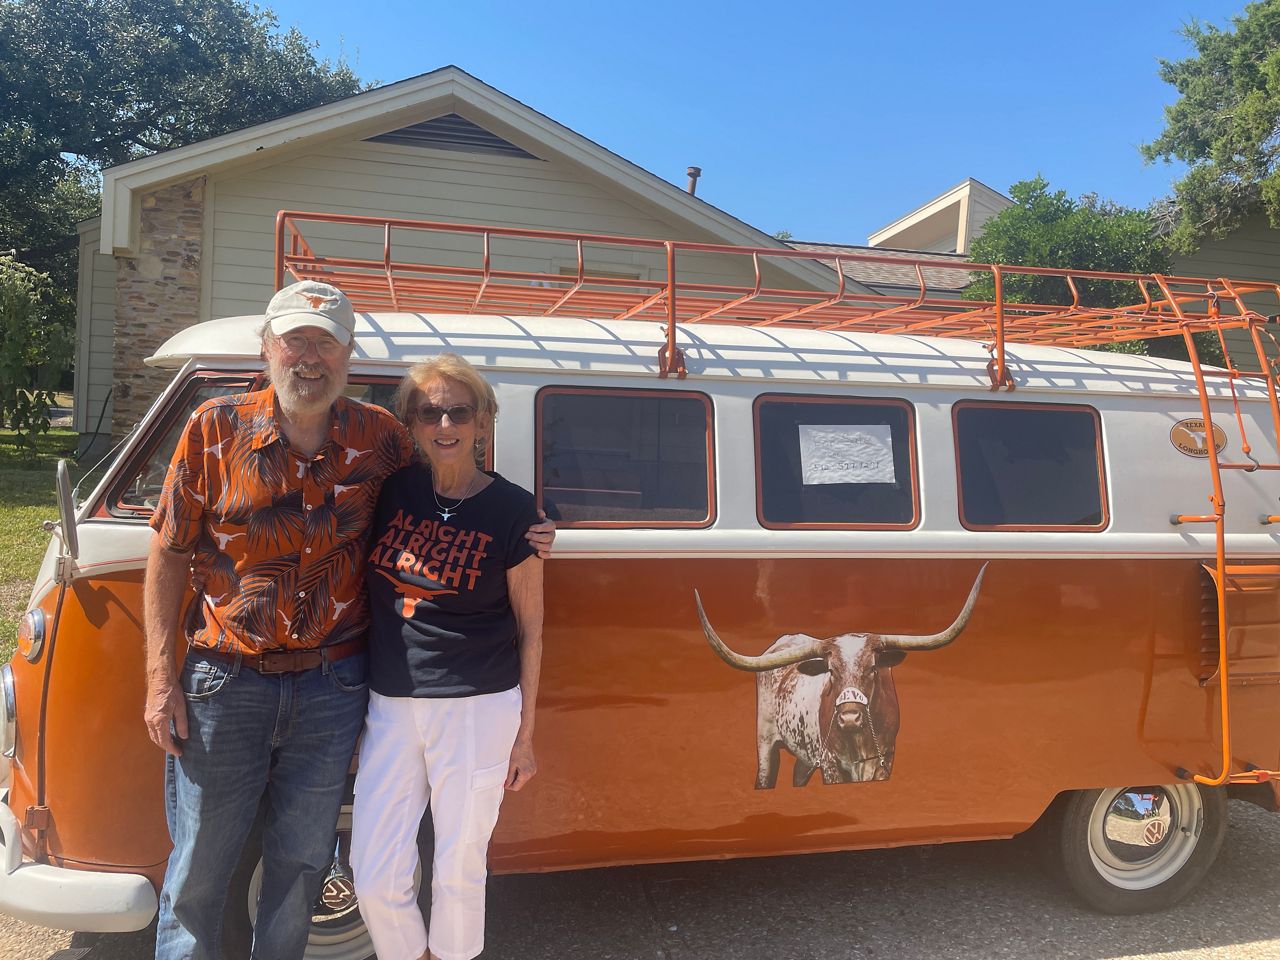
(939, 231)
(1250, 252)
(950, 222)
(946, 224)
(188, 234)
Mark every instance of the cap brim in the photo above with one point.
(293, 321)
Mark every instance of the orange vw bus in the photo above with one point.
(835, 570)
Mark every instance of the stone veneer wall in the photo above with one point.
(157, 294)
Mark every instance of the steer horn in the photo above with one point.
(768, 661)
(905, 643)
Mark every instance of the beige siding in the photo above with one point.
(981, 210)
(95, 320)
(396, 181)
(1251, 253)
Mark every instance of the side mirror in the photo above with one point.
(67, 511)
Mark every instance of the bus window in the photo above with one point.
(829, 462)
(632, 458)
(1029, 466)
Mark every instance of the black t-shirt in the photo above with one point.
(441, 619)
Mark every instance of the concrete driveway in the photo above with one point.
(922, 903)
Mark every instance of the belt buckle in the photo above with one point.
(279, 657)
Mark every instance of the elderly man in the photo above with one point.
(268, 500)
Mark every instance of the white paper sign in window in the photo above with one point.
(846, 453)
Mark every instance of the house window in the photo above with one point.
(635, 458)
(835, 462)
(1029, 467)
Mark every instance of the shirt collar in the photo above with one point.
(261, 413)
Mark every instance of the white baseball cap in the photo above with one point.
(312, 304)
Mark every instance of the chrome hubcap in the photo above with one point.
(1139, 837)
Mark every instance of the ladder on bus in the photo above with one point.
(1225, 575)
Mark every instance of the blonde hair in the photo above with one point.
(447, 366)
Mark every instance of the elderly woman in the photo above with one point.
(455, 593)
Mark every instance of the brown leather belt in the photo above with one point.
(289, 661)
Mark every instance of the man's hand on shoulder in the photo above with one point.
(542, 535)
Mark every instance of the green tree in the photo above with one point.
(1226, 125)
(86, 84)
(1047, 228)
(34, 348)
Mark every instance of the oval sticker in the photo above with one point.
(1189, 437)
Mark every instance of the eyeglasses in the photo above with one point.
(430, 415)
(297, 344)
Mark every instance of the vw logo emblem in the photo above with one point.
(1153, 832)
(338, 893)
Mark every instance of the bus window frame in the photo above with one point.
(1103, 500)
(708, 405)
(912, 456)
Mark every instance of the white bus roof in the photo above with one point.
(571, 346)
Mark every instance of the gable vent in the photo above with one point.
(452, 132)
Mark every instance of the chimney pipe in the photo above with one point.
(694, 174)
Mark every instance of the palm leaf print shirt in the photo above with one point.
(279, 540)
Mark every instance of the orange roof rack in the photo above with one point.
(1161, 305)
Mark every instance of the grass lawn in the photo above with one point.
(26, 500)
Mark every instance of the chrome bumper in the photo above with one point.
(64, 899)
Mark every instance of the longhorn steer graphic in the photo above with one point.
(831, 703)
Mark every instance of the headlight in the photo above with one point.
(8, 712)
(31, 633)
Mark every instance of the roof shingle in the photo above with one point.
(890, 275)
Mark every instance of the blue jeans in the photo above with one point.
(288, 736)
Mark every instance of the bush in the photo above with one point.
(35, 348)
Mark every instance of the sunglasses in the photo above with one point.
(431, 415)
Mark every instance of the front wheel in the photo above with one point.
(337, 930)
(1138, 849)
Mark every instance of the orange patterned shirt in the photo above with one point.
(279, 541)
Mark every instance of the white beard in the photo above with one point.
(299, 396)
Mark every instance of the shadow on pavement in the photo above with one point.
(984, 900)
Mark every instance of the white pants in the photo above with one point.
(452, 753)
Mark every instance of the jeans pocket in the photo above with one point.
(486, 797)
(201, 677)
(350, 674)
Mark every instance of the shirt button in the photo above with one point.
(295, 636)
(307, 550)
(302, 593)
(308, 506)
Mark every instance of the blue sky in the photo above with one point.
(827, 120)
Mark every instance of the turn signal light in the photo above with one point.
(31, 635)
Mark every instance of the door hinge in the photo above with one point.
(37, 819)
(63, 570)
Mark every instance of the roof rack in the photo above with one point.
(469, 282)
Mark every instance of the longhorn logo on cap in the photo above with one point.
(316, 300)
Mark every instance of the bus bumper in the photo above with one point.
(80, 900)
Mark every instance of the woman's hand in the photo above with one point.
(542, 535)
(523, 766)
